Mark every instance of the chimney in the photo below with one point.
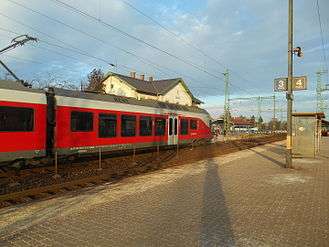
(133, 74)
(142, 77)
(151, 78)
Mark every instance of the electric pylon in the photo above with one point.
(227, 119)
(320, 88)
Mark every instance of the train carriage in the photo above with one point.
(88, 121)
(41, 123)
(22, 122)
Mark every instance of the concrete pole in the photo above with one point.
(289, 92)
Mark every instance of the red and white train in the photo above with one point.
(36, 123)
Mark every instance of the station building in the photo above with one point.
(168, 90)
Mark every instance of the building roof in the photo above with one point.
(155, 87)
(242, 121)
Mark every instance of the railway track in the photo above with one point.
(38, 183)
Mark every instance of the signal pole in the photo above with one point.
(289, 92)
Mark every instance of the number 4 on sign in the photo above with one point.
(299, 83)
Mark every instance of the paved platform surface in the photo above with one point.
(241, 199)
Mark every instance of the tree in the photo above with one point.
(95, 79)
(52, 80)
(253, 119)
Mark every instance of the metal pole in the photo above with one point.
(134, 154)
(259, 105)
(100, 159)
(56, 166)
(290, 93)
(274, 113)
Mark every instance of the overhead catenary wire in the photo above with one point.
(63, 47)
(158, 67)
(124, 33)
(177, 36)
(77, 49)
(58, 40)
(173, 33)
(140, 58)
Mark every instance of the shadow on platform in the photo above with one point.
(216, 229)
(276, 162)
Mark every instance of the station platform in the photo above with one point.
(245, 198)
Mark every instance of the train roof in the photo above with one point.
(16, 85)
(126, 100)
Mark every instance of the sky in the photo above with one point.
(192, 39)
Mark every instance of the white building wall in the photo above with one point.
(114, 85)
(178, 95)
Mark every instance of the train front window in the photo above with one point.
(128, 125)
(107, 125)
(160, 126)
(81, 121)
(145, 126)
(16, 119)
(184, 127)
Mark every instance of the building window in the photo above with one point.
(128, 125)
(81, 121)
(107, 125)
(145, 126)
(160, 126)
(183, 126)
(16, 119)
(193, 124)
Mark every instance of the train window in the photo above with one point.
(81, 121)
(145, 126)
(183, 126)
(107, 125)
(128, 125)
(170, 126)
(160, 126)
(193, 124)
(16, 118)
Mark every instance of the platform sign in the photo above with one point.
(298, 83)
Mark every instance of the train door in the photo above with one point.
(173, 130)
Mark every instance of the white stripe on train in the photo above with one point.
(22, 96)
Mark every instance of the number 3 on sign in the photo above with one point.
(281, 85)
